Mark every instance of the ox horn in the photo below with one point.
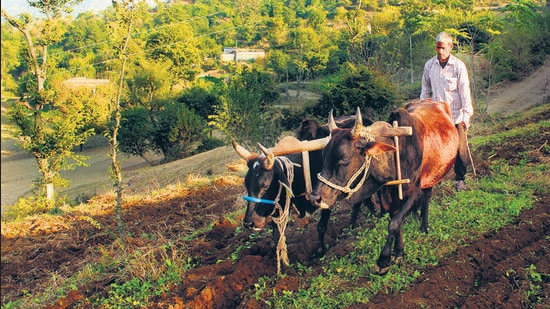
(331, 123)
(358, 124)
(241, 151)
(270, 157)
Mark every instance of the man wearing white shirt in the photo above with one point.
(445, 78)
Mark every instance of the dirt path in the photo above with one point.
(19, 170)
(511, 97)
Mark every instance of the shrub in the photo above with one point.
(359, 87)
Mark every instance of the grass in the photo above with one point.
(455, 220)
(140, 272)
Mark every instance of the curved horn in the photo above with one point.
(331, 123)
(358, 124)
(270, 158)
(241, 151)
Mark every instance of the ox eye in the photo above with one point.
(343, 161)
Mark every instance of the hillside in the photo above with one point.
(19, 169)
(196, 226)
(199, 227)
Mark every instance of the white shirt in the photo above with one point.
(450, 84)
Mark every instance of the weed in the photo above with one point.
(535, 293)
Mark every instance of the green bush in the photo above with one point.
(177, 129)
(136, 131)
(372, 92)
(210, 143)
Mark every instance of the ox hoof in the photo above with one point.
(319, 253)
(396, 259)
(381, 271)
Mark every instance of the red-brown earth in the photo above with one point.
(488, 273)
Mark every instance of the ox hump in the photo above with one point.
(439, 139)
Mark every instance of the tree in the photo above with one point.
(149, 80)
(245, 112)
(83, 44)
(176, 46)
(136, 132)
(177, 130)
(125, 10)
(44, 131)
(359, 87)
(199, 100)
(66, 125)
(309, 54)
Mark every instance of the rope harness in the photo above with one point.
(288, 167)
(364, 168)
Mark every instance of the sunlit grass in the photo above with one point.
(455, 220)
(147, 265)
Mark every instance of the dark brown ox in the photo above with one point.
(362, 152)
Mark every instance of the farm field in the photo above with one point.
(199, 223)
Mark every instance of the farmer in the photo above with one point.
(445, 78)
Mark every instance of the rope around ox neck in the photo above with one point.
(348, 189)
(366, 134)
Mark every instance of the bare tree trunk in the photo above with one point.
(117, 171)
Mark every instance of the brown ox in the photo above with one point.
(359, 162)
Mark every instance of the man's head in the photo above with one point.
(443, 46)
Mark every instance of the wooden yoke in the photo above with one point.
(307, 174)
(398, 162)
(290, 144)
(395, 131)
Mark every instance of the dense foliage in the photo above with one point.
(367, 53)
(360, 87)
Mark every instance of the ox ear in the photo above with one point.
(377, 148)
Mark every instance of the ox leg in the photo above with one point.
(425, 200)
(394, 238)
(374, 205)
(399, 247)
(322, 229)
(354, 214)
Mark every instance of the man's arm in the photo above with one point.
(426, 92)
(465, 95)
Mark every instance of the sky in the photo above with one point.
(16, 7)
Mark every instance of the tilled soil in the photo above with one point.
(488, 273)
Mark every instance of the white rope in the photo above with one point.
(281, 222)
(348, 189)
(366, 134)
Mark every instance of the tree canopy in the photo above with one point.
(366, 53)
